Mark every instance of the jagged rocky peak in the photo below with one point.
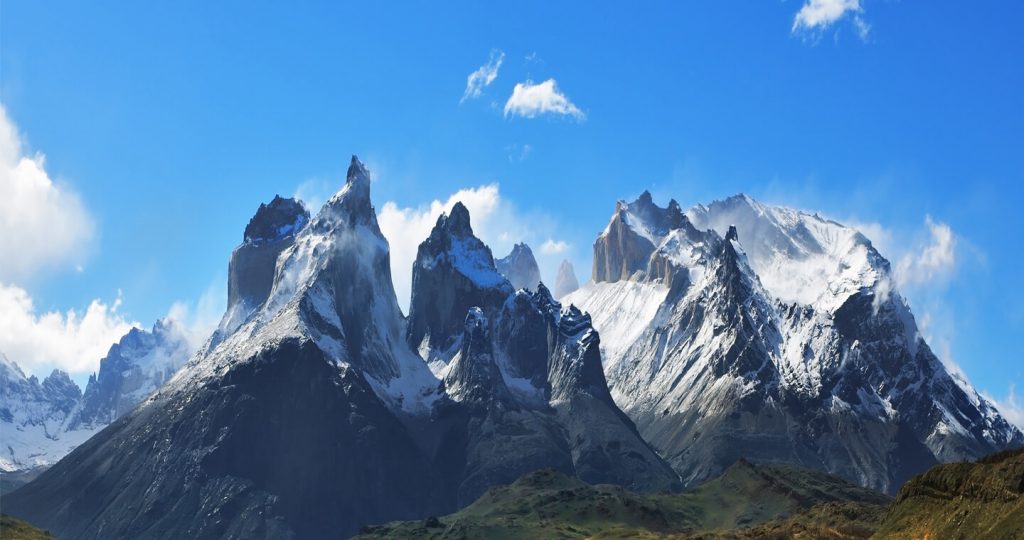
(732, 234)
(61, 390)
(565, 281)
(280, 218)
(474, 377)
(353, 200)
(453, 272)
(520, 267)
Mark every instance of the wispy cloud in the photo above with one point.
(44, 225)
(934, 260)
(483, 76)
(816, 16)
(530, 100)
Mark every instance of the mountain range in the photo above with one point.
(736, 330)
(42, 421)
(742, 330)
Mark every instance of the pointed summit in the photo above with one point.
(353, 200)
(458, 220)
(520, 267)
(357, 172)
(565, 281)
(732, 234)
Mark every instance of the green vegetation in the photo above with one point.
(982, 500)
(962, 500)
(548, 504)
(16, 529)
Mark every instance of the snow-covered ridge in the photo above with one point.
(799, 257)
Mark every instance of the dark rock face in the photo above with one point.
(454, 271)
(282, 217)
(565, 281)
(520, 267)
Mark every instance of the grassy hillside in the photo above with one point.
(962, 500)
(547, 504)
(16, 529)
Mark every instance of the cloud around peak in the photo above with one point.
(530, 100)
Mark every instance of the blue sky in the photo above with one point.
(164, 126)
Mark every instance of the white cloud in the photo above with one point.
(44, 225)
(530, 100)
(483, 76)
(1011, 409)
(73, 341)
(817, 15)
(554, 247)
(930, 262)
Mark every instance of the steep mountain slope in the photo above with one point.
(962, 500)
(742, 330)
(565, 281)
(547, 504)
(520, 267)
(308, 413)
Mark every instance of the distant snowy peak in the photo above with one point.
(134, 367)
(565, 281)
(636, 231)
(520, 267)
(800, 257)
